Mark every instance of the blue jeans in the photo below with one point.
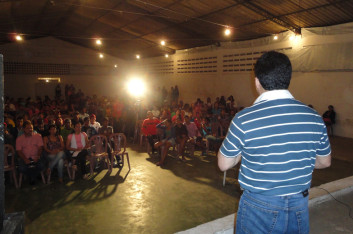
(271, 214)
(57, 160)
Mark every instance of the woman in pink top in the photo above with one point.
(77, 143)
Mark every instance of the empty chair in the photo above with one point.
(118, 141)
(11, 167)
(99, 147)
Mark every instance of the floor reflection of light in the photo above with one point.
(138, 194)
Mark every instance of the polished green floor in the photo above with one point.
(148, 199)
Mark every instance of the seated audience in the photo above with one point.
(18, 129)
(194, 136)
(66, 129)
(149, 129)
(168, 139)
(108, 131)
(181, 136)
(77, 143)
(76, 118)
(54, 146)
(29, 147)
(90, 131)
(93, 122)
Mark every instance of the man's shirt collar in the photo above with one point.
(273, 95)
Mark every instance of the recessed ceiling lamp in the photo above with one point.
(138, 56)
(227, 32)
(166, 55)
(163, 43)
(98, 42)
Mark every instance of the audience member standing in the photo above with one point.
(279, 141)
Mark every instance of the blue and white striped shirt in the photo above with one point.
(279, 139)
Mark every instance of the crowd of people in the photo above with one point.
(46, 133)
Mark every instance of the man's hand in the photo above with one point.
(26, 160)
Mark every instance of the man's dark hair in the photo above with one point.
(274, 70)
(27, 122)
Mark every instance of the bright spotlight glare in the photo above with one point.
(275, 37)
(166, 55)
(101, 55)
(98, 42)
(136, 87)
(162, 43)
(227, 32)
(138, 56)
(18, 38)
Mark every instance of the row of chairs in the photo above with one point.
(98, 151)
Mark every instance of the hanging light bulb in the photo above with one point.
(163, 43)
(275, 37)
(138, 56)
(98, 42)
(166, 55)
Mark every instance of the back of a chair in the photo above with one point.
(119, 142)
(99, 144)
(9, 151)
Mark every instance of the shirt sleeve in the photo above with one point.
(324, 148)
(234, 142)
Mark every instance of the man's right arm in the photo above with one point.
(322, 161)
(23, 157)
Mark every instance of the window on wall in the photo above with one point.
(48, 80)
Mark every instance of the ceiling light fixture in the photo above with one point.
(275, 37)
(166, 55)
(98, 42)
(163, 43)
(138, 56)
(101, 55)
(115, 66)
(227, 32)
(18, 38)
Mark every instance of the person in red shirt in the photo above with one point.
(149, 128)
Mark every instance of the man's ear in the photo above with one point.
(258, 86)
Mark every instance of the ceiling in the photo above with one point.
(130, 27)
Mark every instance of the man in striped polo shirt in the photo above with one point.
(279, 141)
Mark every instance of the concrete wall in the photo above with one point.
(327, 81)
(87, 71)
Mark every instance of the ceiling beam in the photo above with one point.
(298, 12)
(268, 16)
(64, 18)
(42, 14)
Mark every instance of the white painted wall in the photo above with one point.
(89, 73)
(327, 81)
